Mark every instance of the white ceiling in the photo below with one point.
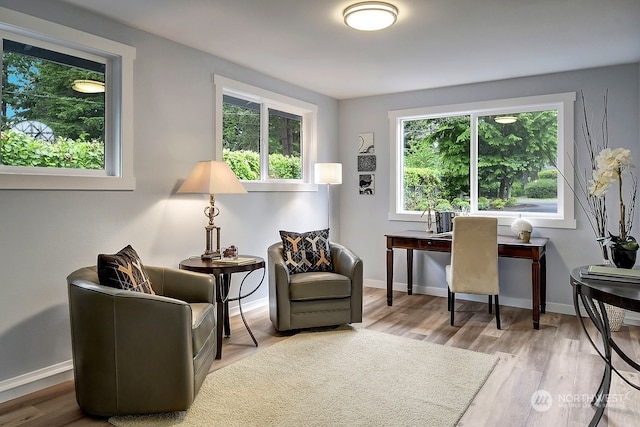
(434, 43)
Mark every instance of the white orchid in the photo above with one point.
(610, 167)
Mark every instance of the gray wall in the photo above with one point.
(364, 218)
(47, 234)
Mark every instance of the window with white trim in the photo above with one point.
(267, 139)
(503, 158)
(67, 107)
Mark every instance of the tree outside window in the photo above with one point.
(45, 122)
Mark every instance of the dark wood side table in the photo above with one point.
(223, 271)
(593, 294)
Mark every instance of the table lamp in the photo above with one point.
(328, 173)
(212, 177)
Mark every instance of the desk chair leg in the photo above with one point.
(452, 304)
(497, 312)
(490, 308)
(448, 299)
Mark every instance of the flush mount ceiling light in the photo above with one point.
(370, 15)
(505, 119)
(88, 86)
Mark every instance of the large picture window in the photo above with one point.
(66, 107)
(502, 158)
(267, 139)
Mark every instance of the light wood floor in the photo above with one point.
(557, 358)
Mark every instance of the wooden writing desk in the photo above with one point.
(508, 246)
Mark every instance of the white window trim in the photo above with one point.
(309, 112)
(120, 59)
(565, 104)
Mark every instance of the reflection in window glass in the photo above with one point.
(46, 121)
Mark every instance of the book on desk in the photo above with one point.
(613, 274)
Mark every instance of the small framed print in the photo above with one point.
(365, 143)
(367, 183)
(367, 163)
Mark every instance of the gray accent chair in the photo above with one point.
(308, 300)
(136, 353)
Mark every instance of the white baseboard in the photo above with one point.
(252, 305)
(630, 318)
(37, 380)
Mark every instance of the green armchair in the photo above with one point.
(307, 300)
(136, 353)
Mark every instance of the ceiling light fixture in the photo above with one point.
(370, 15)
(505, 119)
(88, 86)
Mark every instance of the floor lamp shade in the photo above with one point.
(328, 173)
(211, 177)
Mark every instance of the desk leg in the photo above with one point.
(389, 276)
(543, 283)
(409, 271)
(535, 292)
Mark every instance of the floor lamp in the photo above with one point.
(211, 177)
(328, 173)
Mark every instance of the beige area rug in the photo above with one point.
(352, 377)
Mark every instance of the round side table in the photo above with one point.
(593, 294)
(222, 270)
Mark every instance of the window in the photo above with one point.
(500, 158)
(66, 108)
(267, 139)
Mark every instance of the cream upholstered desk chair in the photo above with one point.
(474, 261)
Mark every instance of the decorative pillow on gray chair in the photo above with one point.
(124, 270)
(307, 252)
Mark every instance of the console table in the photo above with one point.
(594, 294)
(223, 272)
(508, 246)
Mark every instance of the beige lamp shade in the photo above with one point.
(328, 173)
(212, 177)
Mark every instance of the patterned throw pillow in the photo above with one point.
(124, 270)
(307, 252)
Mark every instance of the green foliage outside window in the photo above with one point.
(284, 167)
(541, 189)
(246, 165)
(418, 183)
(19, 149)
